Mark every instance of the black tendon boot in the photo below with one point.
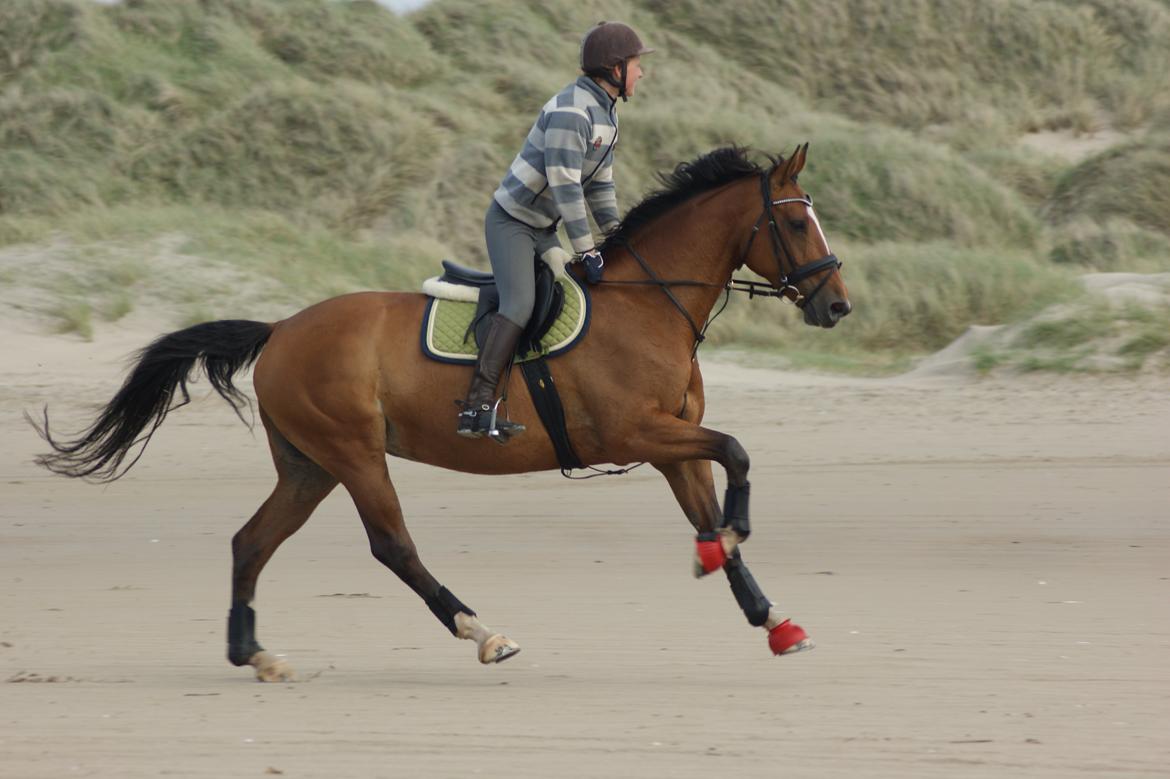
(476, 419)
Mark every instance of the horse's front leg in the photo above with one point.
(721, 531)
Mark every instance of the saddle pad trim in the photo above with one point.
(567, 282)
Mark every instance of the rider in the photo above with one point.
(566, 161)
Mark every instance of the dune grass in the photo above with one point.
(960, 70)
(1114, 244)
(319, 147)
(1086, 336)
(908, 299)
(1130, 182)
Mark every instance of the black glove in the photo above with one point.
(594, 265)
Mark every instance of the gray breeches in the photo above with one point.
(512, 247)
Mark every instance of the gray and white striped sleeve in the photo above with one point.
(602, 197)
(565, 140)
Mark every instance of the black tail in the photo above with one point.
(148, 395)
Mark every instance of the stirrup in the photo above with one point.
(485, 421)
(502, 430)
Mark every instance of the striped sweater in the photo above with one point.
(566, 161)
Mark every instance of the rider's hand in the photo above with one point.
(594, 264)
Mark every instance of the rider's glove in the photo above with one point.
(594, 265)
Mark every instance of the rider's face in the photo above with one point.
(633, 73)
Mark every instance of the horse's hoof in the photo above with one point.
(497, 649)
(270, 668)
(788, 638)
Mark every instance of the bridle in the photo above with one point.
(799, 273)
(786, 289)
(788, 282)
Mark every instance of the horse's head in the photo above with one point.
(795, 256)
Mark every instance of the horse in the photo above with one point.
(342, 384)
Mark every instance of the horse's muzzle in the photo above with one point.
(827, 314)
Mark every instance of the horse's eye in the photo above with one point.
(799, 225)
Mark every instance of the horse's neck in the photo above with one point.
(699, 241)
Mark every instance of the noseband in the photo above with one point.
(798, 273)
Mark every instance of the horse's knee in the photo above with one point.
(736, 461)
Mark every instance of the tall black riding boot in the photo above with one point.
(496, 352)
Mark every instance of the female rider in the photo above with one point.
(566, 162)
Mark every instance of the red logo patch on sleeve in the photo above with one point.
(597, 142)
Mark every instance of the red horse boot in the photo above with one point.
(713, 549)
(785, 637)
(709, 554)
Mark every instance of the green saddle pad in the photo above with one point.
(446, 323)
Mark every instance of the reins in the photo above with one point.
(787, 288)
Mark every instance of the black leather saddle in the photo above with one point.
(550, 300)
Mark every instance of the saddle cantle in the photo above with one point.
(462, 298)
(467, 277)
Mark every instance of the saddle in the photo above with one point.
(460, 303)
(550, 301)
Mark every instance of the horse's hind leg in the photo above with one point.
(377, 504)
(694, 488)
(301, 485)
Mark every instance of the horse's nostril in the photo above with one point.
(840, 308)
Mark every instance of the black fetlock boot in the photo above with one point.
(475, 421)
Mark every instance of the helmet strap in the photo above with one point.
(607, 76)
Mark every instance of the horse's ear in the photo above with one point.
(798, 159)
(791, 166)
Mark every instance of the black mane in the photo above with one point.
(702, 174)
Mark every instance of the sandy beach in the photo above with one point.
(984, 564)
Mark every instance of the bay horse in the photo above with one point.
(343, 383)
